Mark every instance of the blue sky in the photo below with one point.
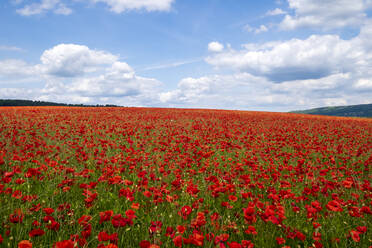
(274, 55)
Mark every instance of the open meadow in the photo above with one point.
(149, 177)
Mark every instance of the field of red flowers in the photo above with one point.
(139, 177)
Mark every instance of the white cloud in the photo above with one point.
(325, 14)
(275, 12)
(216, 91)
(363, 83)
(124, 89)
(315, 57)
(119, 80)
(245, 91)
(189, 90)
(258, 30)
(215, 46)
(77, 74)
(44, 6)
(17, 70)
(119, 6)
(16, 93)
(70, 60)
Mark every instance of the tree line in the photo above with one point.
(18, 102)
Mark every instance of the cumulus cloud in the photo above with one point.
(119, 6)
(296, 59)
(245, 91)
(119, 80)
(215, 46)
(76, 73)
(44, 6)
(325, 14)
(216, 91)
(15, 70)
(70, 60)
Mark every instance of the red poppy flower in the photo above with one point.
(144, 244)
(111, 246)
(234, 245)
(355, 235)
(196, 239)
(316, 225)
(135, 205)
(170, 232)
(24, 244)
(249, 214)
(280, 240)
(48, 211)
(233, 198)
(36, 232)
(362, 229)
(35, 207)
(177, 241)
(221, 238)
(334, 206)
(247, 244)
(130, 214)
(185, 212)
(53, 225)
(181, 229)
(147, 193)
(251, 230)
(103, 236)
(17, 216)
(64, 244)
(105, 216)
(119, 221)
(317, 244)
(155, 227)
(317, 236)
(300, 236)
(83, 220)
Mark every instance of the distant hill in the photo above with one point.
(14, 103)
(361, 110)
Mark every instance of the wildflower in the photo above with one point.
(24, 244)
(64, 244)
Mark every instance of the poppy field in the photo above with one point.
(143, 177)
